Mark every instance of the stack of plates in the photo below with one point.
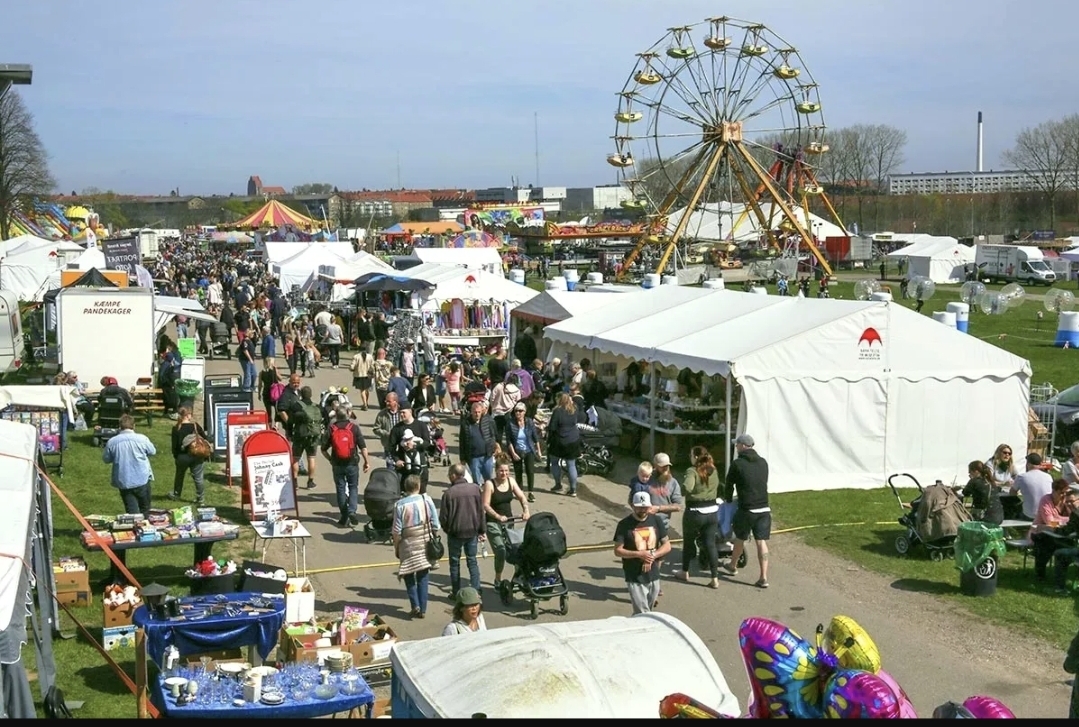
(338, 661)
(272, 698)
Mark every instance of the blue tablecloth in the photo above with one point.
(290, 709)
(213, 633)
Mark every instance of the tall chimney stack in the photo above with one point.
(980, 141)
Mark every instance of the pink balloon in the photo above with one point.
(785, 671)
(906, 709)
(856, 694)
(983, 707)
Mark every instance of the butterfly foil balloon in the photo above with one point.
(786, 672)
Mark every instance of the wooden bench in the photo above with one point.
(148, 402)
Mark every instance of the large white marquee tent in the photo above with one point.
(339, 277)
(836, 393)
(922, 244)
(714, 222)
(473, 258)
(944, 263)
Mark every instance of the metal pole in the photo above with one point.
(727, 423)
(652, 412)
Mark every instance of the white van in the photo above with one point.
(11, 342)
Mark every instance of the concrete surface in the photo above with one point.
(936, 653)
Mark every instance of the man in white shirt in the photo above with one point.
(323, 318)
(1032, 485)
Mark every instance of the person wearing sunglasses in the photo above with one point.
(1002, 466)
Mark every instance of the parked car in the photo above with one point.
(1064, 408)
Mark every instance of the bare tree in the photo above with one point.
(1043, 154)
(313, 188)
(1069, 127)
(24, 164)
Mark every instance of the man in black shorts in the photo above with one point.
(748, 478)
(305, 433)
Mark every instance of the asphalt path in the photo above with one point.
(934, 650)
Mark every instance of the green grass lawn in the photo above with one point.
(81, 671)
(1020, 604)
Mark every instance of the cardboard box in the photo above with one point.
(299, 600)
(381, 708)
(303, 649)
(118, 637)
(117, 615)
(73, 587)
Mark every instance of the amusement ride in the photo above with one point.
(721, 121)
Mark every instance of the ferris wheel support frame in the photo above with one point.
(658, 223)
(807, 238)
(680, 228)
(752, 204)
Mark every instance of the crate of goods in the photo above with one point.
(118, 605)
(212, 577)
(262, 578)
(118, 637)
(1037, 434)
(72, 580)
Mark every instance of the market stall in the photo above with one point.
(335, 281)
(836, 393)
(469, 307)
(25, 543)
(295, 270)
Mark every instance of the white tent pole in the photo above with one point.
(727, 424)
(652, 412)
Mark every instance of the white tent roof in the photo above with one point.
(924, 245)
(452, 282)
(90, 258)
(942, 263)
(297, 269)
(715, 222)
(837, 393)
(18, 452)
(275, 252)
(1071, 255)
(558, 305)
(23, 243)
(341, 276)
(487, 258)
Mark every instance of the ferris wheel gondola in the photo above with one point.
(717, 118)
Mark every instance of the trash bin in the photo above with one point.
(187, 390)
(978, 549)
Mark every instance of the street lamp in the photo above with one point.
(972, 177)
(14, 74)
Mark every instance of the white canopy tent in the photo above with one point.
(167, 306)
(25, 544)
(923, 245)
(339, 277)
(457, 283)
(298, 268)
(23, 243)
(28, 267)
(276, 252)
(944, 263)
(1071, 255)
(473, 258)
(715, 222)
(87, 260)
(836, 393)
(552, 306)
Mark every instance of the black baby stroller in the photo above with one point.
(932, 520)
(382, 492)
(534, 554)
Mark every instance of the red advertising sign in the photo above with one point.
(238, 427)
(268, 485)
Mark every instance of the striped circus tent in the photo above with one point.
(273, 215)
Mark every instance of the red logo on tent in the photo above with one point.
(470, 279)
(869, 336)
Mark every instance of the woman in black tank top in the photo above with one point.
(498, 496)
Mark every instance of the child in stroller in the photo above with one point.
(382, 492)
(437, 452)
(333, 398)
(534, 553)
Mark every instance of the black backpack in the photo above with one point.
(544, 539)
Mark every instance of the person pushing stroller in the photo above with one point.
(410, 458)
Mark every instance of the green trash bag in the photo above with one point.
(977, 541)
(187, 388)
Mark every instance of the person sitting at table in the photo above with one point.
(1063, 557)
(1053, 512)
(1002, 466)
(984, 496)
(1070, 469)
(1032, 485)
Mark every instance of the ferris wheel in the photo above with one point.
(718, 130)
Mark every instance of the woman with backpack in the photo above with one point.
(187, 455)
(270, 386)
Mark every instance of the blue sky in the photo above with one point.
(144, 97)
